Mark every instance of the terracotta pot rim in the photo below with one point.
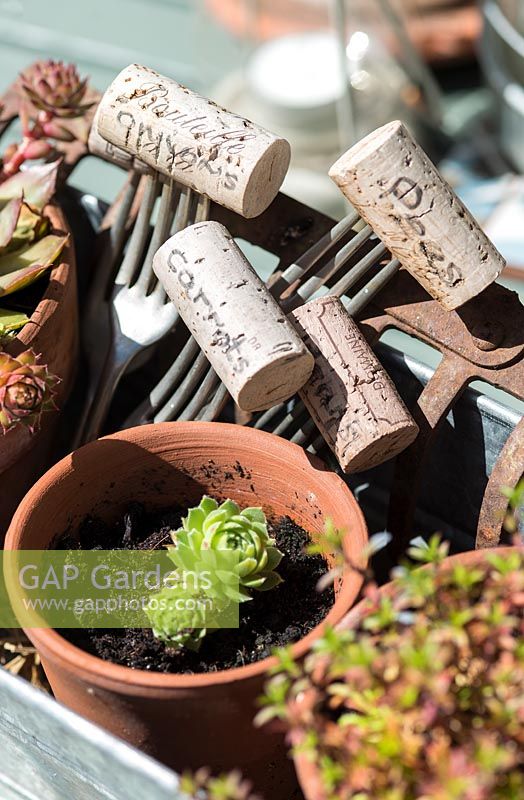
(49, 305)
(468, 557)
(105, 673)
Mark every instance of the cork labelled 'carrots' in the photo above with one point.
(239, 326)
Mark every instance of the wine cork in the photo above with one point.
(192, 140)
(400, 193)
(239, 326)
(349, 395)
(100, 147)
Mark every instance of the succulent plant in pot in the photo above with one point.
(37, 315)
(209, 531)
(204, 715)
(419, 692)
(54, 102)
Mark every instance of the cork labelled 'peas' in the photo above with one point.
(243, 332)
(350, 396)
(192, 140)
(399, 192)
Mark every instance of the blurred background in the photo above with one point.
(322, 73)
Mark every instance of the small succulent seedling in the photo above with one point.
(27, 389)
(421, 697)
(234, 547)
(201, 785)
(514, 521)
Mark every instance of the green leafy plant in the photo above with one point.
(230, 544)
(201, 785)
(421, 695)
(514, 521)
(27, 389)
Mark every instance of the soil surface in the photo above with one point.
(272, 619)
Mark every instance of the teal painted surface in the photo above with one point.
(102, 37)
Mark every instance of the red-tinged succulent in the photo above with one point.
(52, 109)
(56, 87)
(27, 389)
(421, 695)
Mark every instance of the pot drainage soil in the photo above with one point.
(272, 619)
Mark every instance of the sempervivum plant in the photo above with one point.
(421, 695)
(27, 246)
(232, 547)
(56, 87)
(52, 107)
(27, 389)
(214, 527)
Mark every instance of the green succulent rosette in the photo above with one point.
(230, 554)
(212, 528)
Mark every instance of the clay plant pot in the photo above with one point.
(53, 333)
(185, 721)
(307, 770)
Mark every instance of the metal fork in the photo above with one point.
(96, 332)
(174, 396)
(141, 313)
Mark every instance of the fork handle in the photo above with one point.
(115, 365)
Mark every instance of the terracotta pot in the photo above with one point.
(307, 770)
(52, 332)
(185, 720)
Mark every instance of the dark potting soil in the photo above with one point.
(272, 619)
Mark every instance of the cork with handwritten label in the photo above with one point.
(178, 133)
(237, 323)
(400, 193)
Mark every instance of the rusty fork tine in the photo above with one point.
(182, 394)
(306, 261)
(312, 284)
(297, 415)
(354, 306)
(174, 390)
(200, 397)
(138, 238)
(169, 196)
(117, 234)
(212, 409)
(160, 393)
(303, 434)
(347, 281)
